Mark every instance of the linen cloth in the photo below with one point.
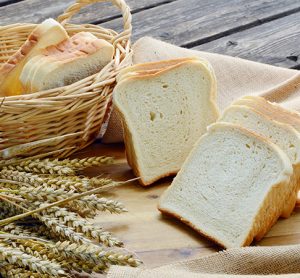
(235, 78)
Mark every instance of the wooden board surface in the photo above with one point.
(36, 10)
(266, 43)
(155, 238)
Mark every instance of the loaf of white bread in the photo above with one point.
(165, 107)
(241, 176)
(50, 59)
(48, 33)
(71, 60)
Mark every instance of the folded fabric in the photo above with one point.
(248, 262)
(235, 78)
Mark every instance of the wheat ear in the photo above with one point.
(14, 271)
(40, 167)
(84, 162)
(59, 203)
(16, 256)
(96, 254)
(82, 226)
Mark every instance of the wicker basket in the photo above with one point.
(63, 120)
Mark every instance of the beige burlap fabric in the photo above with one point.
(236, 77)
(242, 262)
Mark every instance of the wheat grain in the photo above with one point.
(22, 177)
(75, 183)
(61, 230)
(84, 162)
(8, 210)
(16, 256)
(97, 255)
(82, 226)
(14, 271)
(49, 192)
(40, 167)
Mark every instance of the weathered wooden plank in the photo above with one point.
(7, 2)
(37, 10)
(185, 22)
(276, 43)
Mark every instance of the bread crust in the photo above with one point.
(260, 225)
(128, 137)
(82, 45)
(132, 157)
(156, 65)
(291, 200)
(287, 116)
(264, 219)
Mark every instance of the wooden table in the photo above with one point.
(261, 30)
(158, 239)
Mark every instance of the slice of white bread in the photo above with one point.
(73, 59)
(283, 135)
(273, 110)
(48, 33)
(163, 115)
(232, 187)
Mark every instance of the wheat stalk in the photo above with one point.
(75, 183)
(82, 226)
(11, 271)
(48, 194)
(21, 177)
(8, 210)
(61, 230)
(96, 254)
(46, 252)
(84, 162)
(40, 167)
(16, 256)
(91, 202)
(59, 203)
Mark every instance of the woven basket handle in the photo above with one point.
(120, 4)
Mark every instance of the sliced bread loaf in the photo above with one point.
(65, 63)
(272, 110)
(283, 135)
(48, 33)
(232, 187)
(163, 115)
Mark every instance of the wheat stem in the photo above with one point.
(76, 196)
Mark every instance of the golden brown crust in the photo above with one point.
(266, 219)
(21, 53)
(158, 64)
(293, 117)
(81, 44)
(175, 215)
